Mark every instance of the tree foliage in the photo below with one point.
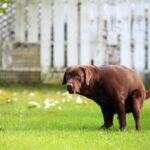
(3, 10)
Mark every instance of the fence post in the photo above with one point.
(45, 50)
(72, 32)
(6, 54)
(85, 57)
(59, 34)
(139, 36)
(33, 21)
(125, 35)
(20, 21)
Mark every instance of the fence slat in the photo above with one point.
(20, 21)
(99, 55)
(45, 52)
(125, 36)
(33, 22)
(111, 25)
(149, 38)
(72, 33)
(93, 14)
(58, 33)
(85, 55)
(139, 35)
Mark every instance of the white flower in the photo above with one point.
(65, 93)
(15, 94)
(59, 108)
(15, 99)
(79, 100)
(48, 104)
(9, 101)
(63, 100)
(56, 102)
(33, 104)
(69, 96)
(47, 100)
(32, 94)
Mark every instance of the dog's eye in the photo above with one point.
(68, 76)
(78, 78)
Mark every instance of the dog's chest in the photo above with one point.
(98, 95)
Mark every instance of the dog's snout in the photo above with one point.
(70, 88)
(69, 85)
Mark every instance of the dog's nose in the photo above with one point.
(70, 85)
(70, 88)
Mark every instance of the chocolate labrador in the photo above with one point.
(115, 88)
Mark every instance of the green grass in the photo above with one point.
(66, 126)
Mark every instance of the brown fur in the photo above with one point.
(115, 88)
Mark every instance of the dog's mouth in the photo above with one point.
(72, 90)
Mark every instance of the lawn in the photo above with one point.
(44, 117)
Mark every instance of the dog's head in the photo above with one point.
(76, 78)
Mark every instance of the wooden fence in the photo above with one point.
(60, 33)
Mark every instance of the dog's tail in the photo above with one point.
(147, 94)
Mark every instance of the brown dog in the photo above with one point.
(115, 88)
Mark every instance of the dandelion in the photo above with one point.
(47, 100)
(15, 94)
(79, 100)
(9, 101)
(32, 94)
(48, 104)
(33, 104)
(63, 100)
(69, 96)
(59, 108)
(56, 102)
(65, 93)
(15, 99)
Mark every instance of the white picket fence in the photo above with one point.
(97, 32)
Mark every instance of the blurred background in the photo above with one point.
(40, 38)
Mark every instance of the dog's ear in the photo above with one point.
(88, 74)
(64, 78)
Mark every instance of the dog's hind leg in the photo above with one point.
(137, 102)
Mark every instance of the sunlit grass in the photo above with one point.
(69, 124)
